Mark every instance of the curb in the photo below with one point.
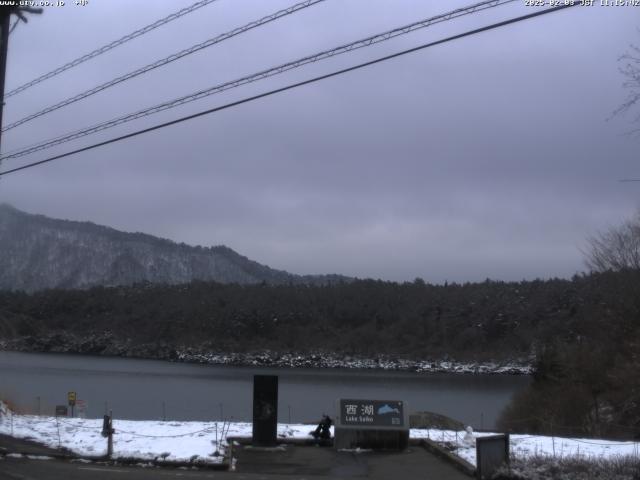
(57, 456)
(224, 465)
(300, 442)
(459, 463)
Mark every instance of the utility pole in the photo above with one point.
(4, 38)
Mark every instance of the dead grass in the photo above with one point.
(572, 468)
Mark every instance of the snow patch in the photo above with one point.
(524, 446)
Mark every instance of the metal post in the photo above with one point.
(164, 413)
(58, 429)
(110, 437)
(38, 401)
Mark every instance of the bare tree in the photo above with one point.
(616, 249)
(630, 69)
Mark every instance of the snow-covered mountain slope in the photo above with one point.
(37, 252)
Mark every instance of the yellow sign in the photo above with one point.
(71, 396)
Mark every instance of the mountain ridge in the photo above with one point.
(38, 252)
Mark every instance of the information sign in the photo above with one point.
(372, 413)
(81, 406)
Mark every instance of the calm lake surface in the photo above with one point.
(150, 389)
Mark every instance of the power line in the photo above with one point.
(110, 46)
(264, 74)
(294, 85)
(165, 61)
(368, 41)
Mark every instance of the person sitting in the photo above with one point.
(323, 430)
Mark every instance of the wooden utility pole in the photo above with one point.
(110, 438)
(108, 431)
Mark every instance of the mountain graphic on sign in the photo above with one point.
(387, 409)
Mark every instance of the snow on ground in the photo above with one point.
(532, 445)
(196, 441)
(146, 440)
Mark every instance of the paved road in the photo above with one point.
(25, 469)
(12, 444)
(290, 463)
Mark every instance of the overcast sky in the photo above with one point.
(490, 156)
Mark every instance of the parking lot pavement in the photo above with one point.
(324, 462)
(285, 462)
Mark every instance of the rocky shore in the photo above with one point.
(107, 345)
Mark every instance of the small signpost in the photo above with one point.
(61, 411)
(376, 424)
(71, 398)
(82, 408)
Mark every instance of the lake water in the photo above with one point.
(150, 389)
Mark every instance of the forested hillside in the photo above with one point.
(488, 319)
(37, 252)
(582, 334)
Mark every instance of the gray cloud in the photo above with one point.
(486, 157)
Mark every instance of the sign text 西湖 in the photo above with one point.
(373, 413)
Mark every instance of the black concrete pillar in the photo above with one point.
(265, 410)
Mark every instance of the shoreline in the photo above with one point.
(292, 360)
(332, 361)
